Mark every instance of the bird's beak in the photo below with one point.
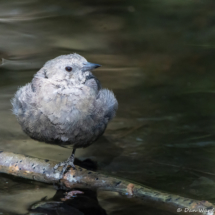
(89, 66)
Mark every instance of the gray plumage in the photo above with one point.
(65, 107)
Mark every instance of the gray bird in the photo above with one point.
(65, 105)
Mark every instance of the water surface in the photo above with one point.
(157, 57)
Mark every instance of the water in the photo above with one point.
(157, 57)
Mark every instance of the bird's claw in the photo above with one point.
(64, 164)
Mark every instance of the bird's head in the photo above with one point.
(72, 66)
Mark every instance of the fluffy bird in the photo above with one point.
(65, 105)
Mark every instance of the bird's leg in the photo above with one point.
(72, 158)
(69, 161)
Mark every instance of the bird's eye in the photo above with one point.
(68, 69)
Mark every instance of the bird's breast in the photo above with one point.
(66, 104)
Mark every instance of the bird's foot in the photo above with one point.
(64, 164)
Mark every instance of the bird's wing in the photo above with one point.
(105, 104)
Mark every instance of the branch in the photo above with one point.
(42, 170)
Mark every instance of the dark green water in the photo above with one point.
(159, 59)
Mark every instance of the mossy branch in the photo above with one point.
(42, 170)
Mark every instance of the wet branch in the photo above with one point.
(42, 170)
